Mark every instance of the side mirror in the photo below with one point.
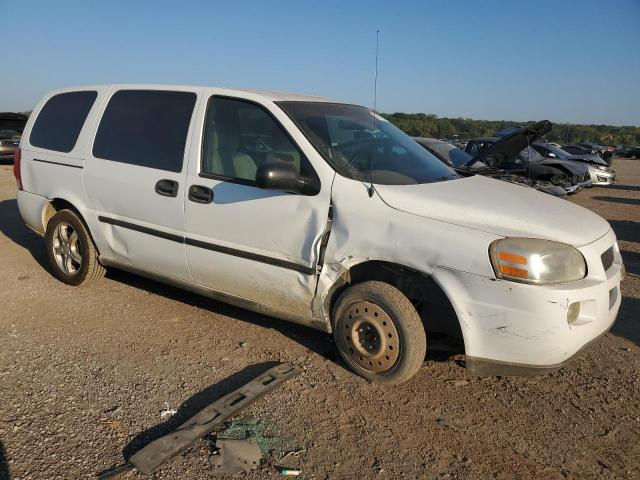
(283, 176)
(551, 155)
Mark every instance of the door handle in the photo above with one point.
(200, 194)
(167, 188)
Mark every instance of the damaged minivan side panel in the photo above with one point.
(366, 229)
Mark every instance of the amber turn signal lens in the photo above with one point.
(513, 271)
(512, 257)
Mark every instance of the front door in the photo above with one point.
(135, 179)
(241, 240)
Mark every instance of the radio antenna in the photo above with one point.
(375, 102)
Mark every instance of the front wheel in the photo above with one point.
(72, 255)
(379, 333)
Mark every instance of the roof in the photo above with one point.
(430, 141)
(287, 96)
(264, 94)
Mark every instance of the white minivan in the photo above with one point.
(318, 212)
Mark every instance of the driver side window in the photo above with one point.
(239, 136)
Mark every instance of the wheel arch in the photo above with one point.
(426, 294)
(56, 204)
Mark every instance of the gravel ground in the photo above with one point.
(86, 372)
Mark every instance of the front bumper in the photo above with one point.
(602, 178)
(514, 328)
(576, 187)
(6, 153)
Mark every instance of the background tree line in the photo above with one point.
(429, 125)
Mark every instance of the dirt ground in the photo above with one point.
(86, 372)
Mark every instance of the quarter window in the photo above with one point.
(146, 128)
(240, 136)
(60, 121)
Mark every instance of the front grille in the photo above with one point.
(607, 259)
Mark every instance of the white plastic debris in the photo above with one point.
(168, 412)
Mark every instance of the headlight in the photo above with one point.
(531, 260)
(602, 167)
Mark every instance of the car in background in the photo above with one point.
(462, 161)
(576, 149)
(456, 143)
(621, 150)
(633, 153)
(600, 171)
(592, 146)
(11, 128)
(514, 156)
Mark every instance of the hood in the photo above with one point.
(496, 207)
(593, 159)
(513, 140)
(503, 175)
(574, 167)
(10, 136)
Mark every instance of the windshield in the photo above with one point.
(458, 158)
(557, 150)
(345, 136)
(530, 154)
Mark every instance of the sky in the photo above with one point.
(566, 61)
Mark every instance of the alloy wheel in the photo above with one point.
(67, 249)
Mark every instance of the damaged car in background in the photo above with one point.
(509, 150)
(464, 162)
(318, 212)
(600, 172)
(11, 127)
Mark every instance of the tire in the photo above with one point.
(73, 261)
(633, 157)
(379, 333)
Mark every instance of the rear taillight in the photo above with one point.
(17, 156)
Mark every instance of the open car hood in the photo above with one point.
(512, 143)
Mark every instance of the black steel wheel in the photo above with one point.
(379, 333)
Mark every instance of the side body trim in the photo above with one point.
(58, 163)
(209, 246)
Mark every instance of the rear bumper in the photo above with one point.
(513, 329)
(31, 208)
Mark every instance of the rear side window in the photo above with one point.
(146, 128)
(60, 121)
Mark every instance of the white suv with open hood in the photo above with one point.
(318, 212)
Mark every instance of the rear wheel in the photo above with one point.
(379, 333)
(634, 157)
(72, 255)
